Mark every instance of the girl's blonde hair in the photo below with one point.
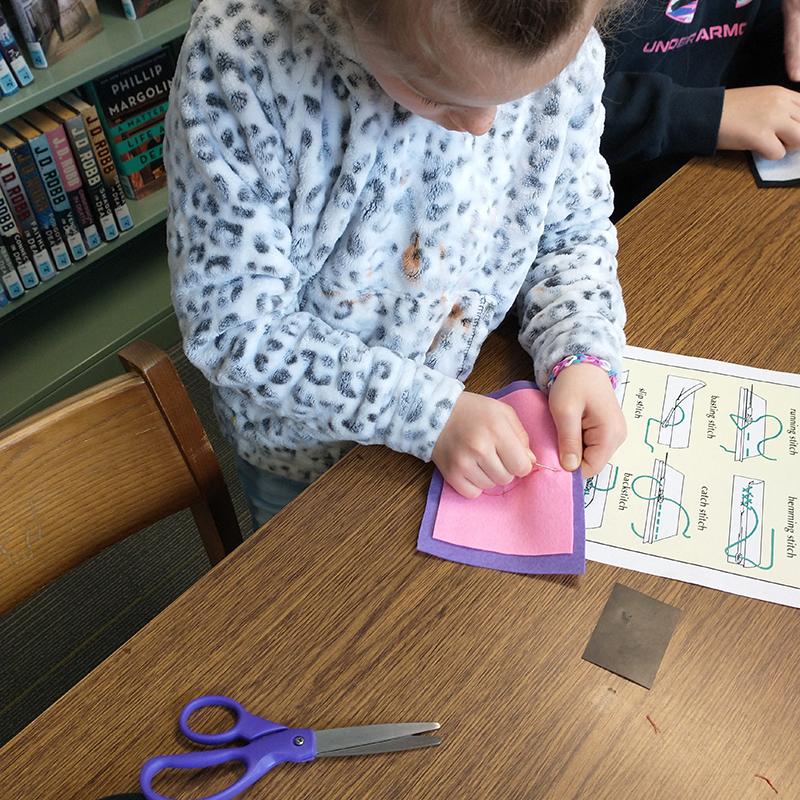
(524, 28)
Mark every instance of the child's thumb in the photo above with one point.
(570, 438)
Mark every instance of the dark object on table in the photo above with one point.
(632, 635)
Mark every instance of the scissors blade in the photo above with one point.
(389, 746)
(334, 739)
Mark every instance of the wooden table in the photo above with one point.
(328, 616)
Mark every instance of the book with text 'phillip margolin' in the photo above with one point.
(131, 103)
(51, 180)
(14, 192)
(69, 173)
(53, 28)
(87, 163)
(104, 158)
(14, 244)
(37, 195)
(12, 53)
(128, 90)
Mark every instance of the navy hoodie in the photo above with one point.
(668, 64)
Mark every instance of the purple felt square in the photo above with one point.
(573, 563)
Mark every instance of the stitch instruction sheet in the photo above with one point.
(706, 488)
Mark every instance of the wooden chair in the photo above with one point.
(98, 466)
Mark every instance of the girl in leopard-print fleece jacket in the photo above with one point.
(359, 194)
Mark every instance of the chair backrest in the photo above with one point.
(98, 466)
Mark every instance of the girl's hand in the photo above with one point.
(765, 119)
(588, 418)
(482, 445)
(791, 37)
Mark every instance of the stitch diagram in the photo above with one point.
(706, 488)
(666, 516)
(675, 424)
(595, 495)
(751, 421)
(746, 531)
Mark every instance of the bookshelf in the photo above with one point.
(147, 212)
(121, 40)
(63, 336)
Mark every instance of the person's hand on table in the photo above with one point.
(765, 119)
(483, 445)
(791, 38)
(588, 418)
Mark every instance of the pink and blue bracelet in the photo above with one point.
(582, 358)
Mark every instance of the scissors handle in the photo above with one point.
(245, 726)
(259, 757)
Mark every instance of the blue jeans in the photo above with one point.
(266, 493)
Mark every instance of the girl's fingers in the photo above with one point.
(494, 469)
(595, 457)
(515, 455)
(518, 428)
(568, 422)
(477, 477)
(771, 147)
(789, 134)
(463, 486)
(601, 441)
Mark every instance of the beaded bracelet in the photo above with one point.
(582, 358)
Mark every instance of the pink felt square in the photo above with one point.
(534, 516)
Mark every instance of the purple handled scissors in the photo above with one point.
(270, 743)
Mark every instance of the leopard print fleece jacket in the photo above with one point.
(337, 262)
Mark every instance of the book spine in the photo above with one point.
(8, 83)
(13, 55)
(15, 245)
(37, 197)
(108, 171)
(73, 185)
(129, 9)
(23, 213)
(38, 58)
(93, 180)
(11, 282)
(59, 202)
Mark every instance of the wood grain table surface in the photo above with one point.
(328, 616)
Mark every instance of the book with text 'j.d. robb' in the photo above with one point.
(14, 246)
(69, 174)
(28, 199)
(99, 197)
(132, 102)
(51, 180)
(53, 28)
(105, 159)
(14, 193)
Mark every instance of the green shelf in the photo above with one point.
(69, 340)
(121, 41)
(63, 336)
(146, 212)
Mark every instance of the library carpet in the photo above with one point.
(51, 641)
